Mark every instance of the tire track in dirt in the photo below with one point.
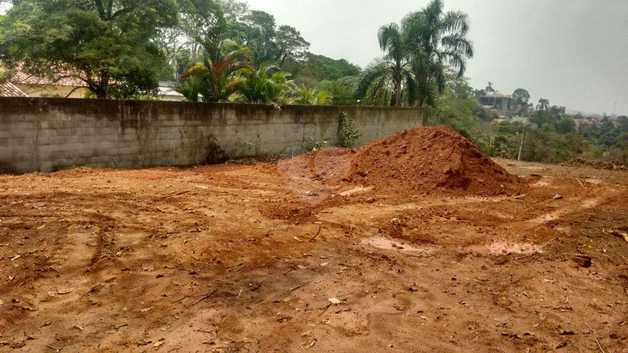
(558, 214)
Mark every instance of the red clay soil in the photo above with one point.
(329, 166)
(428, 160)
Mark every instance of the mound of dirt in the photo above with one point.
(328, 166)
(427, 160)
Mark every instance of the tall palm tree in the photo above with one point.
(214, 79)
(436, 41)
(544, 104)
(389, 77)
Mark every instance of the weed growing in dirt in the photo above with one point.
(312, 144)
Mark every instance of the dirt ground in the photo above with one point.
(286, 257)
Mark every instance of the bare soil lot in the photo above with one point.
(288, 257)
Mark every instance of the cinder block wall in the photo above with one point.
(47, 134)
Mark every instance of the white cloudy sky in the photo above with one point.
(575, 52)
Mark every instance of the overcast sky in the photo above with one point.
(574, 52)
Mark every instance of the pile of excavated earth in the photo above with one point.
(427, 160)
(420, 161)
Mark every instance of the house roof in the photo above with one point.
(168, 88)
(20, 77)
(496, 94)
(8, 89)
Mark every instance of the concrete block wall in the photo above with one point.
(47, 134)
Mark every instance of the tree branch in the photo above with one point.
(73, 90)
(122, 12)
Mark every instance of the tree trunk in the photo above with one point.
(396, 101)
(423, 114)
(102, 91)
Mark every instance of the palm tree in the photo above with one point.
(436, 41)
(214, 80)
(544, 104)
(265, 85)
(389, 77)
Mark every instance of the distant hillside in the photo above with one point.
(315, 68)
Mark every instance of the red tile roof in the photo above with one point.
(8, 89)
(21, 77)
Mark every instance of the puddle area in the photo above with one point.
(495, 248)
(534, 168)
(593, 181)
(541, 183)
(395, 245)
(508, 248)
(357, 191)
(564, 229)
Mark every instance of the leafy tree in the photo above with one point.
(107, 44)
(260, 36)
(234, 10)
(313, 69)
(177, 55)
(521, 99)
(270, 44)
(183, 61)
(203, 21)
(521, 96)
(289, 45)
(436, 41)
(341, 90)
(565, 125)
(389, 77)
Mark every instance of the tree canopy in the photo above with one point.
(107, 44)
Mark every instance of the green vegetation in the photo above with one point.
(310, 96)
(266, 85)
(105, 43)
(315, 68)
(546, 134)
(4, 74)
(221, 51)
(215, 79)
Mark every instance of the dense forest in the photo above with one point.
(223, 51)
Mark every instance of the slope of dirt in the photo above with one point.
(427, 160)
(329, 166)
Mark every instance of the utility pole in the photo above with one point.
(615, 110)
(523, 140)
